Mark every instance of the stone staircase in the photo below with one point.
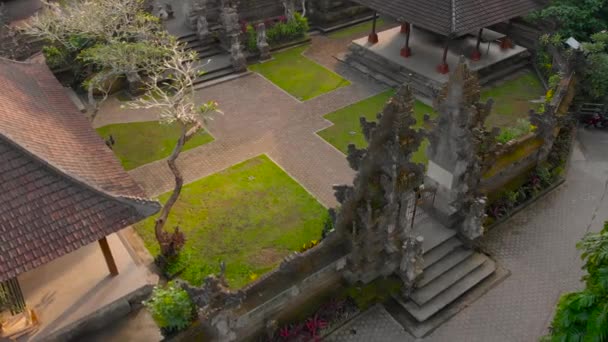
(213, 59)
(451, 271)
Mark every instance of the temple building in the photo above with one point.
(62, 192)
(433, 35)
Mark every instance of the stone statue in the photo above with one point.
(202, 27)
(472, 226)
(230, 19)
(194, 10)
(290, 9)
(374, 213)
(263, 46)
(411, 264)
(237, 58)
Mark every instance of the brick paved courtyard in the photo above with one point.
(537, 245)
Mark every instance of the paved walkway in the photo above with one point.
(260, 118)
(538, 247)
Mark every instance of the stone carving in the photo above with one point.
(374, 211)
(290, 9)
(202, 27)
(237, 58)
(230, 18)
(472, 226)
(546, 124)
(263, 46)
(411, 264)
(214, 295)
(459, 145)
(194, 10)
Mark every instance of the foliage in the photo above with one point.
(595, 71)
(576, 18)
(250, 216)
(308, 245)
(291, 30)
(377, 291)
(252, 39)
(554, 81)
(328, 316)
(298, 75)
(171, 307)
(522, 128)
(583, 316)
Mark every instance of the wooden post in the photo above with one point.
(107, 255)
(405, 27)
(476, 55)
(443, 68)
(406, 51)
(373, 37)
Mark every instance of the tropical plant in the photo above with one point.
(583, 315)
(576, 18)
(171, 308)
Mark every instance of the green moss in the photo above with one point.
(378, 291)
(522, 151)
(140, 143)
(299, 76)
(347, 130)
(250, 216)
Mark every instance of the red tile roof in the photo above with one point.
(453, 17)
(60, 186)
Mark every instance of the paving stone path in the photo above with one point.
(538, 247)
(260, 118)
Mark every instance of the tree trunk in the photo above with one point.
(161, 235)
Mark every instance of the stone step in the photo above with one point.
(457, 256)
(422, 313)
(215, 74)
(440, 251)
(424, 294)
(189, 37)
(434, 233)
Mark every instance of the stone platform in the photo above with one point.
(384, 62)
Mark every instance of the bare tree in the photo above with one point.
(171, 92)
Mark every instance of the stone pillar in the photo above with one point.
(194, 10)
(237, 58)
(443, 68)
(230, 25)
(263, 46)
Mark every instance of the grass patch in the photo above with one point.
(359, 29)
(140, 143)
(250, 216)
(299, 76)
(512, 100)
(347, 130)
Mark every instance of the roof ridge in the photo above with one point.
(140, 204)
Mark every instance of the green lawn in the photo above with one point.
(250, 216)
(140, 143)
(347, 130)
(512, 100)
(298, 75)
(362, 29)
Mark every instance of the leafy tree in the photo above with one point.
(576, 18)
(170, 90)
(583, 316)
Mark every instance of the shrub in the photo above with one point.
(288, 31)
(171, 308)
(55, 58)
(252, 39)
(522, 128)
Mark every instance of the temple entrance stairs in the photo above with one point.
(213, 59)
(451, 272)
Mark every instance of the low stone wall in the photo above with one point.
(102, 317)
(326, 13)
(283, 292)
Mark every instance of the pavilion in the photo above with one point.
(450, 19)
(61, 187)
